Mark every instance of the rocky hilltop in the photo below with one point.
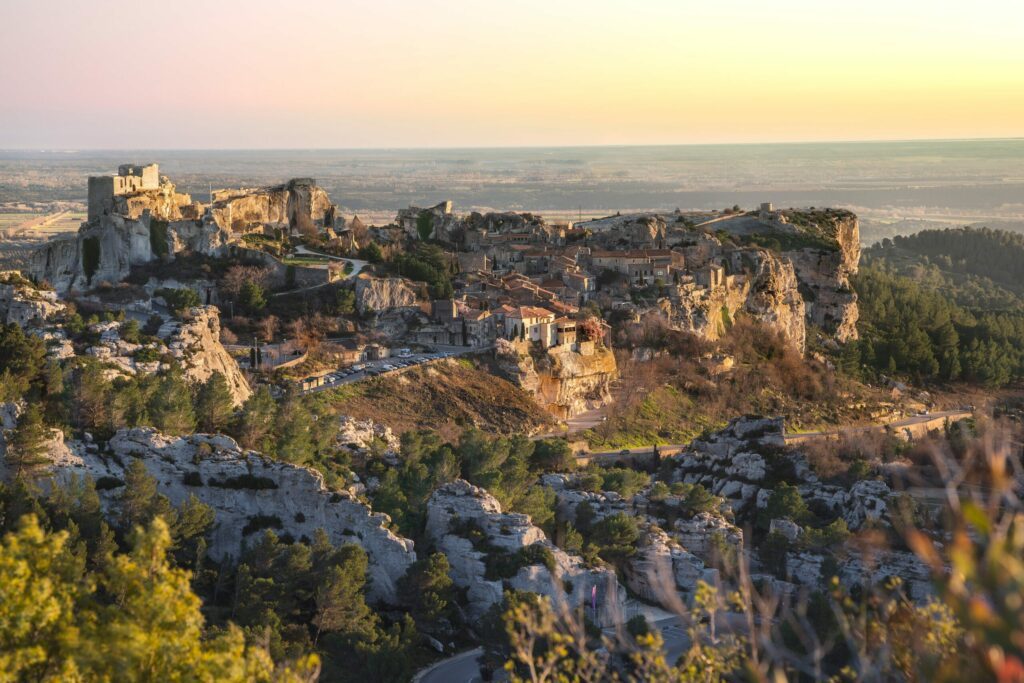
(824, 272)
(137, 225)
(564, 380)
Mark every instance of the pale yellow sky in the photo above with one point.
(390, 73)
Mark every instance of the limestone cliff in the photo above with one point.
(195, 342)
(105, 249)
(565, 380)
(774, 296)
(286, 205)
(824, 272)
(381, 294)
(247, 492)
(759, 285)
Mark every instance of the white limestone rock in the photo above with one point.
(460, 503)
(295, 496)
(195, 342)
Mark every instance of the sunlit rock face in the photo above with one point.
(825, 276)
(195, 342)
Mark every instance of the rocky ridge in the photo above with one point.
(247, 492)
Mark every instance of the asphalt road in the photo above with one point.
(464, 667)
(388, 366)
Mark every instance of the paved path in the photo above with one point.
(357, 266)
(462, 668)
(937, 417)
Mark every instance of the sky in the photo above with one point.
(205, 74)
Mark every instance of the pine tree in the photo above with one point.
(26, 451)
(214, 405)
(257, 419)
(170, 407)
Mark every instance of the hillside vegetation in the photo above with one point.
(930, 309)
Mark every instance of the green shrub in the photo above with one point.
(107, 483)
(158, 238)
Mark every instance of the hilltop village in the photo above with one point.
(289, 375)
(505, 281)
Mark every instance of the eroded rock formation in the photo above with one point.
(291, 204)
(381, 294)
(824, 275)
(466, 523)
(564, 380)
(195, 342)
(247, 492)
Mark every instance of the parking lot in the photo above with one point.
(375, 368)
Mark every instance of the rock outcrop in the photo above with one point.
(759, 284)
(247, 493)
(21, 302)
(565, 380)
(289, 205)
(195, 342)
(467, 524)
(380, 294)
(105, 249)
(825, 274)
(663, 570)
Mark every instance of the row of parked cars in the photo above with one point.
(396, 363)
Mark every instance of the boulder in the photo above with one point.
(380, 294)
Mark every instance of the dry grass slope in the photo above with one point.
(447, 397)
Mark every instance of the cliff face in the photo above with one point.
(762, 286)
(824, 275)
(293, 499)
(248, 209)
(107, 247)
(21, 303)
(564, 381)
(195, 342)
(774, 296)
(383, 293)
